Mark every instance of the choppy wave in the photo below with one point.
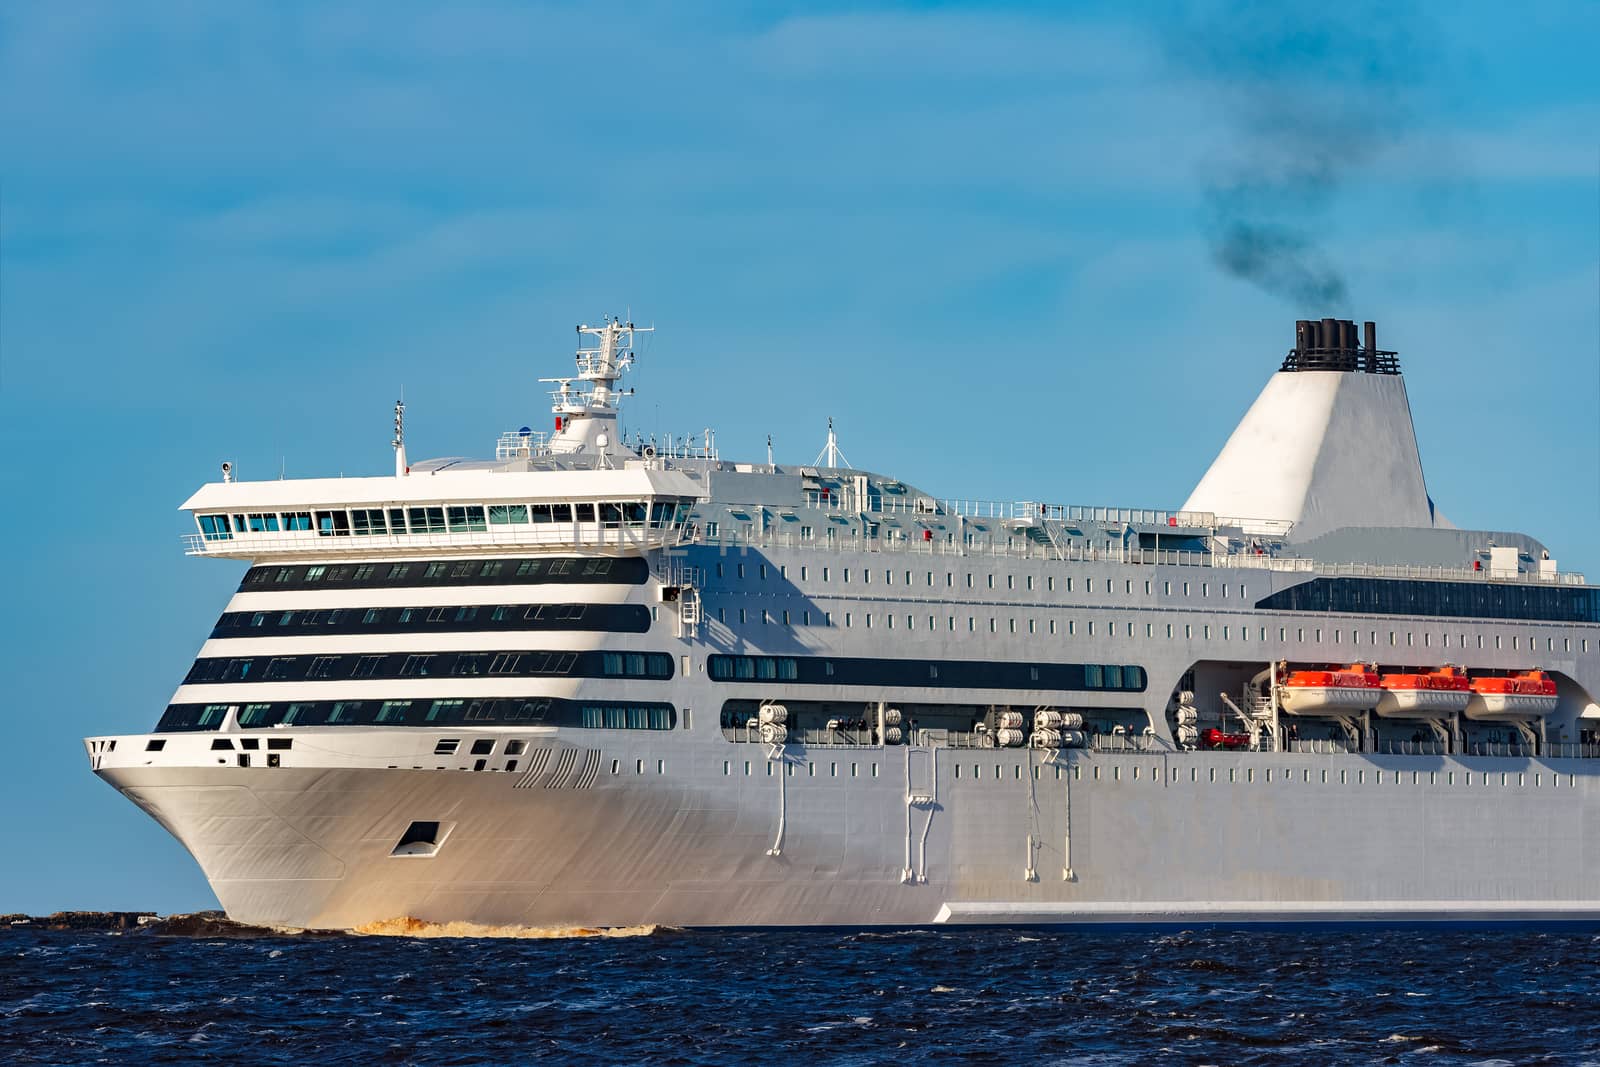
(417, 992)
(406, 926)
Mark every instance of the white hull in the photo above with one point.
(1130, 838)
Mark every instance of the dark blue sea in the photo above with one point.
(1411, 996)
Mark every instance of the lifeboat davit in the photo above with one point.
(1425, 695)
(1339, 691)
(1529, 694)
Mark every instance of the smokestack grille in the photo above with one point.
(1331, 344)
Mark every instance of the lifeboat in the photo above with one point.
(1424, 696)
(1339, 691)
(1526, 695)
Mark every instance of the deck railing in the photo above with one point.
(1151, 745)
(784, 535)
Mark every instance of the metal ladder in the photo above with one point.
(686, 580)
(689, 612)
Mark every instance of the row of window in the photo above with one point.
(1152, 774)
(462, 518)
(1325, 776)
(604, 618)
(596, 570)
(929, 579)
(1478, 600)
(514, 711)
(938, 674)
(653, 665)
(1172, 631)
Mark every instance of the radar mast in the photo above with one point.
(586, 412)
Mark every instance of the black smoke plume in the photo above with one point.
(1313, 95)
(1280, 260)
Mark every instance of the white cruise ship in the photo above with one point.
(598, 681)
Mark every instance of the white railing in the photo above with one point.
(1392, 570)
(1010, 548)
(1412, 748)
(1318, 747)
(514, 444)
(1138, 744)
(1029, 511)
(1113, 519)
(1465, 750)
(1023, 548)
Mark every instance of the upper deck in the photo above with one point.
(627, 509)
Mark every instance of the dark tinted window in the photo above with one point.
(521, 663)
(937, 674)
(626, 570)
(603, 618)
(521, 711)
(1477, 600)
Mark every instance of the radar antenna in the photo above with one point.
(830, 456)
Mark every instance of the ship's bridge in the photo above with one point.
(622, 510)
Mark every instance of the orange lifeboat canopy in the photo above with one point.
(1445, 679)
(1526, 683)
(1355, 676)
(1423, 694)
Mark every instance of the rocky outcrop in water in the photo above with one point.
(79, 920)
(199, 924)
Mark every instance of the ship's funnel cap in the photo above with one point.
(1331, 344)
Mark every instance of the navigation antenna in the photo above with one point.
(831, 453)
(401, 469)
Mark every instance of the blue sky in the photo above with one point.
(980, 237)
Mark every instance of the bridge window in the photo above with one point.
(466, 519)
(367, 521)
(508, 514)
(426, 520)
(215, 528)
(333, 523)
